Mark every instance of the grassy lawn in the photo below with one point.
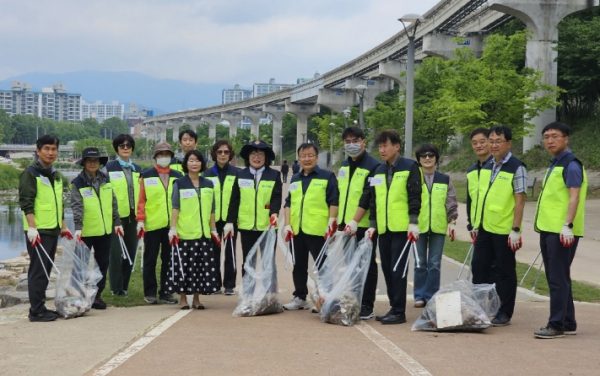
(136, 289)
(582, 292)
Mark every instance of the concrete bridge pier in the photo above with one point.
(302, 112)
(161, 131)
(233, 118)
(336, 99)
(542, 18)
(212, 121)
(374, 88)
(277, 112)
(254, 115)
(443, 45)
(392, 69)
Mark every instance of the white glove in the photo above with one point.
(451, 231)
(566, 236)
(514, 241)
(288, 233)
(351, 227)
(32, 235)
(331, 227)
(228, 230)
(473, 234)
(413, 232)
(119, 231)
(370, 232)
(78, 235)
(141, 229)
(173, 234)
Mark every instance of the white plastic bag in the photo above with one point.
(259, 295)
(76, 285)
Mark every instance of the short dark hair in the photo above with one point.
(198, 155)
(502, 130)
(47, 139)
(428, 148)
(120, 139)
(388, 134)
(558, 126)
(284, 161)
(295, 161)
(308, 145)
(480, 130)
(353, 131)
(217, 146)
(190, 132)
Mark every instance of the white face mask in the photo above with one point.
(353, 150)
(163, 161)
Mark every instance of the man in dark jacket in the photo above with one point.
(295, 167)
(285, 168)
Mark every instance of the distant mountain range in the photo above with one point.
(160, 95)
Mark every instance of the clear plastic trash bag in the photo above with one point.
(259, 295)
(459, 306)
(76, 285)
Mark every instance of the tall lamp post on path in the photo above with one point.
(331, 126)
(346, 114)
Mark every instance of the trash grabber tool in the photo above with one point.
(232, 253)
(47, 255)
(413, 247)
(537, 276)
(401, 254)
(322, 253)
(465, 263)
(124, 250)
(180, 262)
(530, 266)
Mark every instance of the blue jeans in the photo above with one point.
(427, 274)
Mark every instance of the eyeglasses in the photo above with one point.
(552, 137)
(125, 146)
(496, 142)
(427, 155)
(92, 160)
(481, 142)
(257, 154)
(226, 152)
(309, 156)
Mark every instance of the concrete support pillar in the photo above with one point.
(193, 123)
(392, 69)
(161, 130)
(542, 18)
(212, 120)
(233, 118)
(254, 115)
(374, 88)
(302, 112)
(175, 125)
(336, 99)
(277, 112)
(443, 45)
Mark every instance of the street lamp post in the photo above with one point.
(346, 114)
(360, 90)
(416, 19)
(331, 126)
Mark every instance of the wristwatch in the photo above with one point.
(569, 224)
(516, 229)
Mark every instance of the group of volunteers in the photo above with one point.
(186, 210)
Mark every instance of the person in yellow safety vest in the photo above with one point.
(153, 222)
(395, 207)
(188, 140)
(223, 174)
(501, 201)
(559, 218)
(311, 211)
(194, 267)
(436, 219)
(41, 201)
(95, 213)
(481, 148)
(354, 178)
(124, 177)
(256, 196)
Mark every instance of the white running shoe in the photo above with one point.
(296, 303)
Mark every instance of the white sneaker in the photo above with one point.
(296, 303)
(314, 310)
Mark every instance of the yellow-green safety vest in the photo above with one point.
(48, 204)
(351, 189)
(309, 212)
(433, 215)
(193, 221)
(120, 187)
(97, 208)
(255, 204)
(473, 191)
(158, 199)
(222, 195)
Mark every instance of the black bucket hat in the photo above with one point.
(92, 153)
(260, 145)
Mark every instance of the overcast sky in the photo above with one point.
(216, 41)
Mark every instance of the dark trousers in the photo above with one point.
(284, 176)
(229, 271)
(37, 282)
(101, 245)
(304, 245)
(156, 241)
(494, 262)
(557, 261)
(370, 289)
(119, 268)
(390, 248)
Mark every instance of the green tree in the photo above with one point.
(5, 127)
(114, 126)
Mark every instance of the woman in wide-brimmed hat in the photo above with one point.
(95, 212)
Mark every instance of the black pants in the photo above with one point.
(229, 271)
(119, 268)
(557, 261)
(304, 245)
(101, 245)
(370, 289)
(494, 262)
(390, 248)
(284, 176)
(156, 241)
(37, 281)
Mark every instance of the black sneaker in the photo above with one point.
(150, 299)
(501, 319)
(548, 333)
(366, 313)
(99, 304)
(167, 299)
(123, 293)
(393, 319)
(381, 317)
(229, 291)
(43, 316)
